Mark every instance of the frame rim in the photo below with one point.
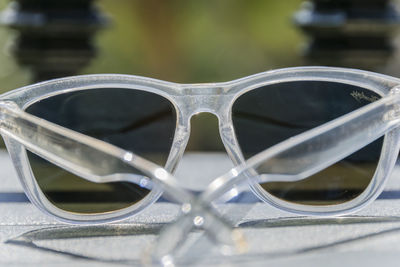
(178, 95)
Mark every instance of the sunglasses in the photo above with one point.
(310, 140)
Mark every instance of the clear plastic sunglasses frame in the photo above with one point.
(301, 156)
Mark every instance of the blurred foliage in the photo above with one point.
(197, 41)
(184, 41)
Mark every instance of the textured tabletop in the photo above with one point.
(367, 238)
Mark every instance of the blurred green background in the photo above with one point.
(186, 41)
(197, 41)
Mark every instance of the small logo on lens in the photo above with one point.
(359, 96)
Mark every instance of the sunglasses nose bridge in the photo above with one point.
(205, 100)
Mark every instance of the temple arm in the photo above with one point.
(87, 157)
(308, 153)
(100, 162)
(312, 151)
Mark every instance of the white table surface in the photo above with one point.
(275, 238)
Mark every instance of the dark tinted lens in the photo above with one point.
(135, 120)
(266, 116)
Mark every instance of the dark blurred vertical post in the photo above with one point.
(351, 33)
(55, 38)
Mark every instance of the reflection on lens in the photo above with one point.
(271, 114)
(138, 121)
